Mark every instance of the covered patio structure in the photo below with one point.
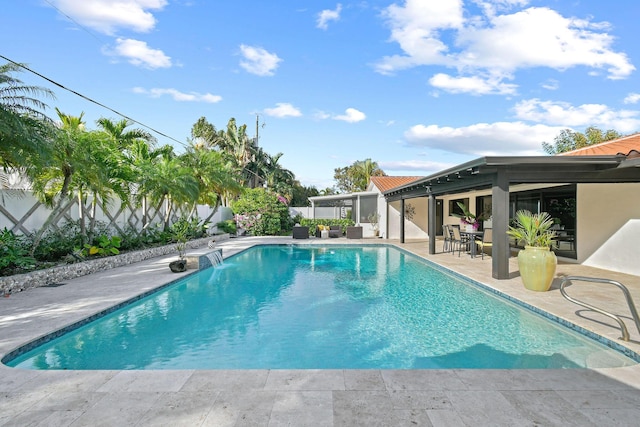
(499, 174)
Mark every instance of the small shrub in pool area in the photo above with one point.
(228, 226)
(314, 223)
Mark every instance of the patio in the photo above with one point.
(312, 397)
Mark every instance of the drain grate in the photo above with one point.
(54, 285)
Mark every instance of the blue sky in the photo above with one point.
(416, 85)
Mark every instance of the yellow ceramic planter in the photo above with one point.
(537, 267)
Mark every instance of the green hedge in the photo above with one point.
(313, 223)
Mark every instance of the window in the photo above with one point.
(454, 209)
(560, 203)
(368, 206)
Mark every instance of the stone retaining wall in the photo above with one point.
(51, 276)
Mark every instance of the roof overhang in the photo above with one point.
(344, 196)
(483, 172)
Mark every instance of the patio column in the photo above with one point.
(313, 210)
(500, 251)
(402, 220)
(431, 224)
(386, 220)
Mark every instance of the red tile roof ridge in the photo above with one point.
(384, 183)
(625, 145)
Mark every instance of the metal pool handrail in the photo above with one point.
(627, 295)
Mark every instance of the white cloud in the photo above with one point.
(415, 27)
(551, 84)
(519, 137)
(564, 43)
(328, 15)
(567, 115)
(283, 109)
(138, 53)
(484, 139)
(351, 115)
(475, 85)
(491, 43)
(106, 16)
(321, 115)
(632, 98)
(258, 61)
(179, 96)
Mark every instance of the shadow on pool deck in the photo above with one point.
(310, 397)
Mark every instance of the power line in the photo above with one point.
(100, 41)
(74, 21)
(91, 100)
(245, 168)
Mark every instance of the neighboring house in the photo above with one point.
(593, 192)
(361, 205)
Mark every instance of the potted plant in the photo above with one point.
(468, 220)
(537, 263)
(180, 229)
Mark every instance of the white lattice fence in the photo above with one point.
(22, 213)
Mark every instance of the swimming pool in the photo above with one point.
(321, 307)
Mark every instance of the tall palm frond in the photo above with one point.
(24, 127)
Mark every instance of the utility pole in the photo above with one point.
(257, 119)
(258, 127)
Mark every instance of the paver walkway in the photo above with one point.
(579, 397)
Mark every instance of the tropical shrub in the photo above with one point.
(188, 229)
(314, 223)
(58, 243)
(262, 213)
(533, 229)
(228, 226)
(14, 253)
(103, 246)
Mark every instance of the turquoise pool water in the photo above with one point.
(312, 307)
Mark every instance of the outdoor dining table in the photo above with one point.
(471, 238)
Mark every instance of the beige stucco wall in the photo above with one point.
(416, 229)
(608, 226)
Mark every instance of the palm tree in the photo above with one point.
(108, 174)
(205, 134)
(169, 181)
(216, 177)
(25, 130)
(254, 173)
(279, 179)
(141, 158)
(130, 145)
(52, 183)
(363, 170)
(239, 147)
(122, 137)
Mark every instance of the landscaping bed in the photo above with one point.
(57, 274)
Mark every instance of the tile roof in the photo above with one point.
(627, 145)
(384, 183)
